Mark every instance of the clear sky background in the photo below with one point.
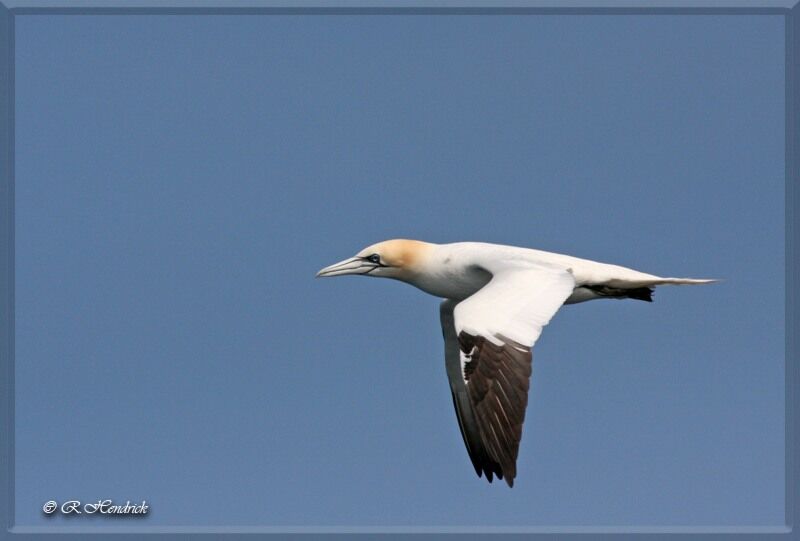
(180, 180)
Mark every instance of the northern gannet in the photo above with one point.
(497, 299)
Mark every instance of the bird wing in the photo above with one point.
(488, 340)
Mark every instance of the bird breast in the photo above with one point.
(452, 282)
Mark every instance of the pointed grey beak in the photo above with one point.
(354, 265)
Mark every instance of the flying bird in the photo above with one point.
(496, 301)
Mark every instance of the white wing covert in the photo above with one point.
(488, 341)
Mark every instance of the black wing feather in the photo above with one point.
(490, 397)
(498, 379)
(481, 461)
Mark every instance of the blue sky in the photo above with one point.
(180, 179)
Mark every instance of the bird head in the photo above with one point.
(399, 258)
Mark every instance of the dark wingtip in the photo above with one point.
(640, 294)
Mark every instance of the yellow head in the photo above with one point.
(398, 258)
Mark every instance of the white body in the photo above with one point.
(497, 301)
(457, 270)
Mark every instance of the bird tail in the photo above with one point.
(652, 281)
(683, 281)
(641, 289)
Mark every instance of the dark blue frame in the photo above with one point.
(790, 9)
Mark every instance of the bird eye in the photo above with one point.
(374, 258)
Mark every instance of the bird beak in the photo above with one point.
(354, 265)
